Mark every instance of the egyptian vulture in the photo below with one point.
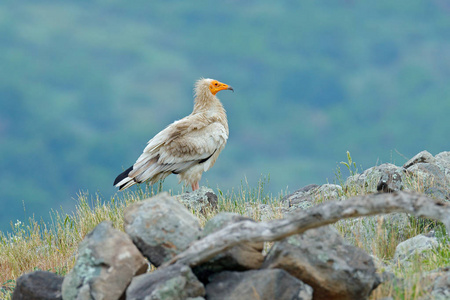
(187, 147)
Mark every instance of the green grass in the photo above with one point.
(380, 235)
(52, 246)
(34, 245)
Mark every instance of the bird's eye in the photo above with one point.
(215, 84)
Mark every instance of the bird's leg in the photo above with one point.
(195, 186)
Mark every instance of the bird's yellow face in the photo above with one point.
(216, 86)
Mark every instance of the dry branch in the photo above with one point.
(327, 213)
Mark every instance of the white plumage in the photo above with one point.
(187, 147)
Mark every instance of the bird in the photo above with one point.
(187, 147)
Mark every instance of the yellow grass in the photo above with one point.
(52, 246)
(39, 246)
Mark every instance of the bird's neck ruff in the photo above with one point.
(204, 103)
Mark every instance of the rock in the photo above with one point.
(242, 257)
(221, 220)
(200, 200)
(302, 197)
(437, 284)
(422, 172)
(176, 282)
(369, 180)
(430, 174)
(390, 277)
(107, 261)
(443, 161)
(258, 285)
(263, 212)
(378, 263)
(38, 285)
(328, 192)
(417, 245)
(432, 179)
(390, 182)
(161, 227)
(321, 258)
(421, 157)
(311, 195)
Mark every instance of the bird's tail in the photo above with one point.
(123, 181)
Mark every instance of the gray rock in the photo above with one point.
(421, 157)
(311, 195)
(176, 282)
(422, 172)
(161, 227)
(390, 277)
(390, 182)
(263, 212)
(328, 192)
(321, 258)
(200, 200)
(221, 220)
(430, 174)
(437, 284)
(369, 180)
(242, 257)
(417, 245)
(443, 160)
(258, 285)
(38, 285)
(303, 195)
(432, 179)
(107, 261)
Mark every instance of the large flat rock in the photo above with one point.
(161, 227)
(176, 282)
(322, 259)
(257, 285)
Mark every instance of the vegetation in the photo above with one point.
(85, 84)
(52, 246)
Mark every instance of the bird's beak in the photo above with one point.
(224, 86)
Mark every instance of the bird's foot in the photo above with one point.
(195, 186)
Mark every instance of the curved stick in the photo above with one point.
(246, 231)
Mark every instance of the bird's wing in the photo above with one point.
(181, 145)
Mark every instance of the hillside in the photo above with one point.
(84, 85)
(402, 255)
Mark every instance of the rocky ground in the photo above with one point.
(341, 261)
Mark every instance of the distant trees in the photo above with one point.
(82, 90)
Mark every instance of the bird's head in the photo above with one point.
(212, 85)
(216, 86)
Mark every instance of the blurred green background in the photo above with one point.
(85, 84)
